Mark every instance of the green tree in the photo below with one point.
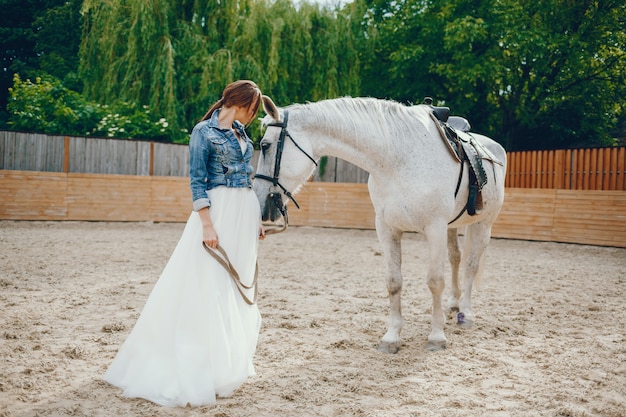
(534, 75)
(38, 37)
(45, 105)
(177, 56)
(57, 41)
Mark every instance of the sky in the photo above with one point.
(327, 2)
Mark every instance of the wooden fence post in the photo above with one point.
(66, 154)
(151, 169)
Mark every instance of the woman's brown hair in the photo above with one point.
(242, 93)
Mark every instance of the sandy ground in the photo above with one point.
(549, 338)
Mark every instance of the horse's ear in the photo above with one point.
(269, 107)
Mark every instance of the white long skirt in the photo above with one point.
(196, 336)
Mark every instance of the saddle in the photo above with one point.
(454, 131)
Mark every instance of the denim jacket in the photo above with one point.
(215, 159)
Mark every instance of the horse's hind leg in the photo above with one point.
(390, 241)
(477, 238)
(454, 256)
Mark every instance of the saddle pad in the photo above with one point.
(463, 139)
(450, 144)
(482, 152)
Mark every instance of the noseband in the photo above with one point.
(284, 133)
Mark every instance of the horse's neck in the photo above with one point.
(366, 144)
(350, 148)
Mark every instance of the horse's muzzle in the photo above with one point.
(274, 208)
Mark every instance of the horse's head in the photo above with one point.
(284, 164)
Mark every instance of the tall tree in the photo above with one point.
(58, 32)
(37, 37)
(177, 56)
(535, 75)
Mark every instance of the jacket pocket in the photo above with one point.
(220, 145)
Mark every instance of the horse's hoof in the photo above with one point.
(389, 347)
(435, 346)
(463, 321)
(452, 305)
(467, 324)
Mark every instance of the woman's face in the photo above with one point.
(245, 115)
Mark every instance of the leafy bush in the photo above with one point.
(125, 120)
(46, 106)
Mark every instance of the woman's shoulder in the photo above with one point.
(206, 128)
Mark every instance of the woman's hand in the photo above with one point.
(209, 236)
(261, 233)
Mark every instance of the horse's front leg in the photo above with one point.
(436, 236)
(390, 241)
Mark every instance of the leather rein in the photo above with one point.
(222, 258)
(219, 254)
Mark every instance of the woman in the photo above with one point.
(196, 336)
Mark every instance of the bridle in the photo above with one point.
(275, 197)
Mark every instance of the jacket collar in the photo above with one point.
(213, 122)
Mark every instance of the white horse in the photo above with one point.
(412, 183)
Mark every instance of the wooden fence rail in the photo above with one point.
(568, 169)
(37, 152)
(575, 195)
(575, 216)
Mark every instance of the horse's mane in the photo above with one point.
(375, 116)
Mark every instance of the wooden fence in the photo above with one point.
(38, 152)
(568, 169)
(29, 195)
(565, 196)
(571, 169)
(574, 216)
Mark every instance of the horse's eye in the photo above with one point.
(265, 146)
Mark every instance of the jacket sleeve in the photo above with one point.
(198, 173)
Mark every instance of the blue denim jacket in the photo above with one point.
(215, 159)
